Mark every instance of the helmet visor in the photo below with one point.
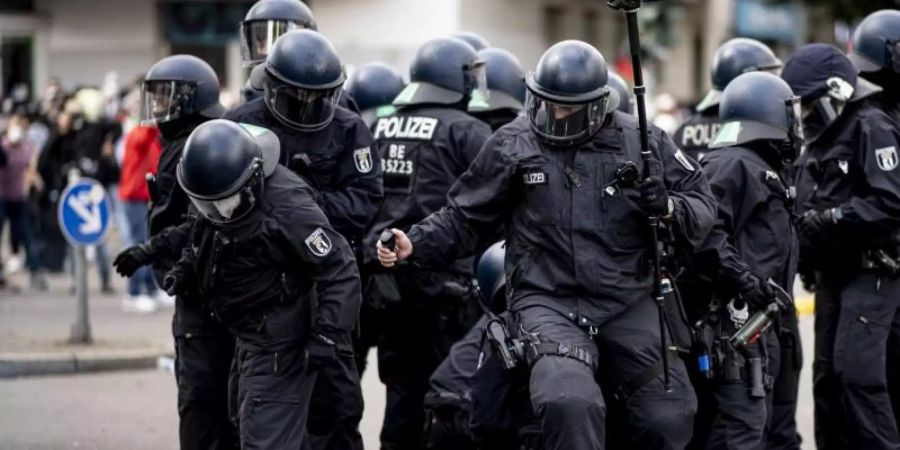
(893, 49)
(304, 109)
(565, 123)
(476, 77)
(165, 100)
(232, 207)
(258, 36)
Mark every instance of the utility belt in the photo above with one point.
(718, 360)
(881, 263)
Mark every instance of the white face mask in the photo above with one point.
(15, 133)
(227, 205)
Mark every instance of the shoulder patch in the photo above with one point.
(362, 159)
(319, 243)
(886, 158)
(679, 156)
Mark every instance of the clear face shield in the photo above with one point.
(893, 49)
(794, 145)
(303, 109)
(165, 100)
(476, 79)
(823, 111)
(563, 123)
(258, 36)
(235, 206)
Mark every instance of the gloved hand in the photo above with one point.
(180, 280)
(132, 258)
(320, 351)
(814, 223)
(755, 291)
(654, 198)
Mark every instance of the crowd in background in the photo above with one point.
(47, 140)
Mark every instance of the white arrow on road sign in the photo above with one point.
(86, 205)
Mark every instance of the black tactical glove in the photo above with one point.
(755, 291)
(815, 223)
(654, 198)
(320, 351)
(181, 279)
(132, 258)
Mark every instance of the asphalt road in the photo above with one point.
(136, 410)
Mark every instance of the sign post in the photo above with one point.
(84, 214)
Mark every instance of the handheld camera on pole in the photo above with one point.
(630, 7)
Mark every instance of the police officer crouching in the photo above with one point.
(275, 272)
(737, 56)
(331, 148)
(179, 93)
(753, 242)
(848, 191)
(576, 268)
(421, 310)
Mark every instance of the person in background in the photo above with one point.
(142, 150)
(16, 177)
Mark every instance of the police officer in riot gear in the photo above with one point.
(753, 242)
(179, 93)
(266, 21)
(332, 148)
(848, 192)
(737, 56)
(575, 262)
(876, 53)
(626, 99)
(272, 269)
(477, 41)
(374, 86)
(506, 88)
(421, 310)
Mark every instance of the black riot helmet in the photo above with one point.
(223, 167)
(826, 81)
(737, 56)
(626, 99)
(491, 276)
(180, 87)
(475, 40)
(303, 80)
(374, 86)
(445, 71)
(876, 42)
(568, 94)
(760, 106)
(505, 82)
(266, 21)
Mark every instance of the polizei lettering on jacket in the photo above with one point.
(419, 128)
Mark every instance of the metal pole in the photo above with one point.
(634, 44)
(81, 329)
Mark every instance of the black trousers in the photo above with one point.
(785, 363)
(203, 352)
(337, 403)
(870, 308)
(831, 421)
(569, 402)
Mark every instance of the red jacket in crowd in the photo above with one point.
(142, 151)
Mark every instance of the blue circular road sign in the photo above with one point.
(84, 212)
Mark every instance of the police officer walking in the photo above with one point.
(274, 271)
(849, 195)
(373, 87)
(179, 93)
(576, 253)
(425, 146)
(737, 56)
(330, 147)
(506, 88)
(753, 242)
